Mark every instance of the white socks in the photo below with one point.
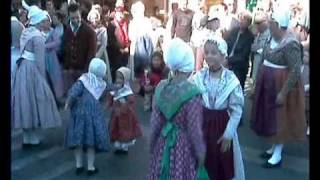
(78, 152)
(30, 137)
(78, 155)
(308, 131)
(90, 158)
(270, 151)
(276, 156)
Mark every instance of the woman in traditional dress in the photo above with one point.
(33, 102)
(16, 29)
(177, 147)
(53, 67)
(278, 109)
(223, 102)
(102, 37)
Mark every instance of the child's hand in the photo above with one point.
(225, 144)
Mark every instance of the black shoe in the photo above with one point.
(27, 145)
(79, 170)
(92, 172)
(268, 165)
(265, 155)
(120, 151)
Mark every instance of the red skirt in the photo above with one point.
(124, 125)
(219, 165)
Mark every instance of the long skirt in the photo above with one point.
(278, 123)
(33, 103)
(124, 127)
(55, 75)
(15, 54)
(220, 166)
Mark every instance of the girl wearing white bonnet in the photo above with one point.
(87, 129)
(124, 124)
(176, 119)
(33, 104)
(279, 85)
(222, 102)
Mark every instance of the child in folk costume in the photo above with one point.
(223, 101)
(88, 128)
(124, 126)
(152, 77)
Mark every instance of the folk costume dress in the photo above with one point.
(87, 126)
(281, 69)
(222, 101)
(124, 124)
(53, 67)
(33, 102)
(176, 131)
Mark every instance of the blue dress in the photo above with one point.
(87, 126)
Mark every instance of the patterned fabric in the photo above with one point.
(87, 126)
(166, 96)
(279, 124)
(261, 40)
(287, 53)
(189, 145)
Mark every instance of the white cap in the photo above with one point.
(36, 15)
(179, 56)
(282, 16)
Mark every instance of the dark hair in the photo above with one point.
(60, 15)
(32, 2)
(157, 54)
(210, 42)
(160, 55)
(73, 8)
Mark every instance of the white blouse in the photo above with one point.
(224, 93)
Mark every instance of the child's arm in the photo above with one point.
(236, 103)
(75, 91)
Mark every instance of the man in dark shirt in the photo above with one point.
(239, 47)
(79, 46)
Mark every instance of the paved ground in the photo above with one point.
(51, 161)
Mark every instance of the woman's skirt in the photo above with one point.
(219, 165)
(55, 74)
(278, 123)
(33, 104)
